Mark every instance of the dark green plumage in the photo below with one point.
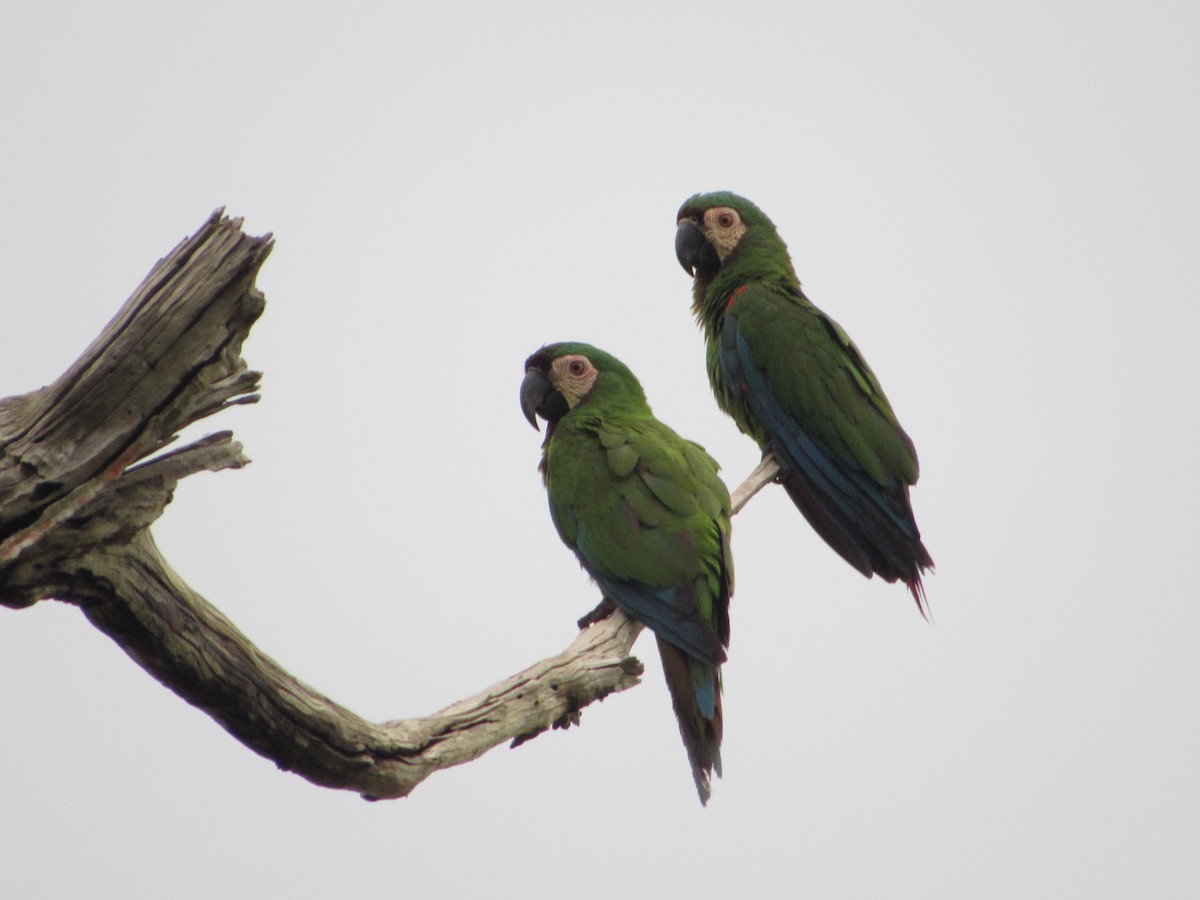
(648, 518)
(794, 381)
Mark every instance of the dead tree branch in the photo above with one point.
(80, 484)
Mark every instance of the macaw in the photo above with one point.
(792, 379)
(649, 520)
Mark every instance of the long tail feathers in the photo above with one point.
(917, 589)
(863, 534)
(696, 696)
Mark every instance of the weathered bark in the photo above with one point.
(80, 485)
(190, 646)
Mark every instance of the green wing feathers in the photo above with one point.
(649, 519)
(820, 378)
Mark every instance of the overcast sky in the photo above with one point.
(999, 201)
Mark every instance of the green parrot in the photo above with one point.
(648, 518)
(792, 379)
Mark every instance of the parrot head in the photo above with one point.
(559, 377)
(721, 231)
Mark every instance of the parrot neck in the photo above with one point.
(710, 299)
(713, 295)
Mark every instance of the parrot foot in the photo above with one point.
(769, 457)
(603, 610)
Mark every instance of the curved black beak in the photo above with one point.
(540, 398)
(693, 250)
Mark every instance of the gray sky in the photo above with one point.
(998, 201)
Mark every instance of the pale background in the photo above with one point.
(999, 201)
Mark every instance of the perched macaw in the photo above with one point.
(792, 379)
(648, 517)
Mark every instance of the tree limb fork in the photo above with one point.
(85, 470)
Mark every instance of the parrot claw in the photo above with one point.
(603, 610)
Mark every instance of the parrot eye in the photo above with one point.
(724, 229)
(722, 217)
(574, 377)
